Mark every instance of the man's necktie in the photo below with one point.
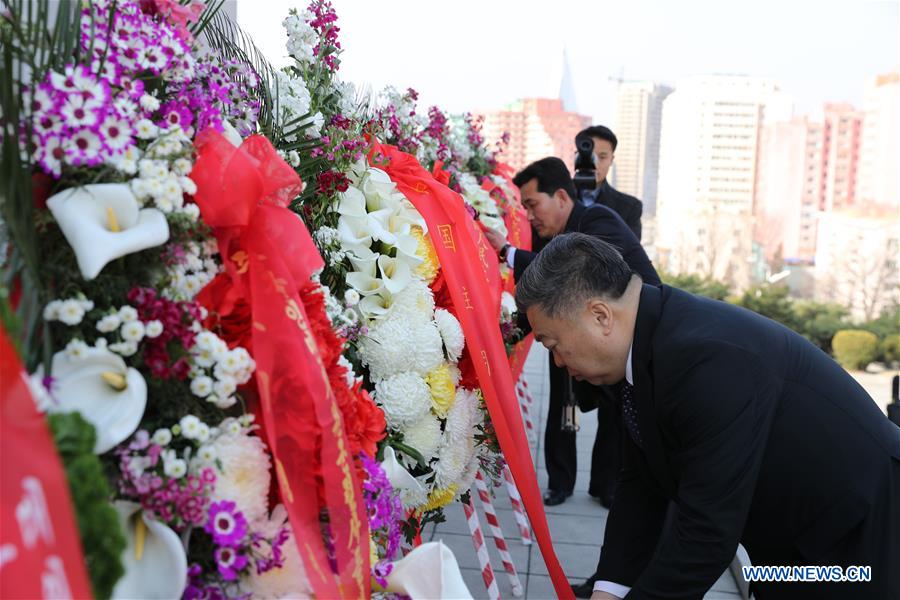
(629, 412)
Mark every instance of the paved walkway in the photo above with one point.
(576, 526)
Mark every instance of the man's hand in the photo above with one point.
(604, 596)
(495, 238)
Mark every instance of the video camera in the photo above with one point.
(585, 166)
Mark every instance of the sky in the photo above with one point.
(470, 55)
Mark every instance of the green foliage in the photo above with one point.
(101, 536)
(770, 301)
(698, 285)
(890, 348)
(855, 348)
(818, 322)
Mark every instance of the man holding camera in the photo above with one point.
(548, 194)
(604, 144)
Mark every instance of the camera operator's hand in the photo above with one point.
(495, 239)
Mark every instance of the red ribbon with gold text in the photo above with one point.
(455, 236)
(41, 550)
(243, 195)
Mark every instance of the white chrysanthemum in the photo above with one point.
(415, 299)
(468, 477)
(404, 397)
(463, 415)
(424, 435)
(453, 456)
(244, 474)
(400, 343)
(451, 333)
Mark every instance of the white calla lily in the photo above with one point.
(103, 221)
(352, 203)
(429, 571)
(395, 273)
(107, 393)
(154, 558)
(376, 305)
(407, 245)
(379, 223)
(365, 284)
(354, 231)
(400, 478)
(363, 260)
(377, 175)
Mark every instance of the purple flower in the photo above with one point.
(230, 562)
(226, 525)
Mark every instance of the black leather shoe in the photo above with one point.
(584, 590)
(554, 497)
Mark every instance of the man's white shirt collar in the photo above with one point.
(629, 375)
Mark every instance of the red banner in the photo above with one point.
(40, 551)
(268, 254)
(455, 236)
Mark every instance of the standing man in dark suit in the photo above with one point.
(627, 207)
(754, 435)
(547, 194)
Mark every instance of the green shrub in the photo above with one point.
(102, 539)
(855, 348)
(890, 347)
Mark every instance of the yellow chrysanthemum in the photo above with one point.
(443, 392)
(430, 266)
(439, 498)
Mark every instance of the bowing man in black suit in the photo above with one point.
(627, 207)
(547, 191)
(753, 434)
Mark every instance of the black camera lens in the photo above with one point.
(585, 144)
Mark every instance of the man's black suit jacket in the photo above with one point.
(757, 437)
(627, 207)
(602, 222)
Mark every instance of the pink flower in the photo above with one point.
(116, 133)
(230, 562)
(226, 525)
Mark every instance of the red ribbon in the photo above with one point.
(455, 235)
(243, 195)
(41, 549)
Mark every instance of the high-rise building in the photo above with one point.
(537, 127)
(857, 259)
(879, 181)
(841, 137)
(707, 173)
(637, 127)
(789, 190)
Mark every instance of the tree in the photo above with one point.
(770, 301)
(818, 321)
(702, 286)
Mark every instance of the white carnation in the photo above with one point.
(76, 350)
(51, 311)
(405, 398)
(451, 333)
(109, 323)
(153, 329)
(133, 331)
(202, 386)
(424, 435)
(71, 312)
(244, 474)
